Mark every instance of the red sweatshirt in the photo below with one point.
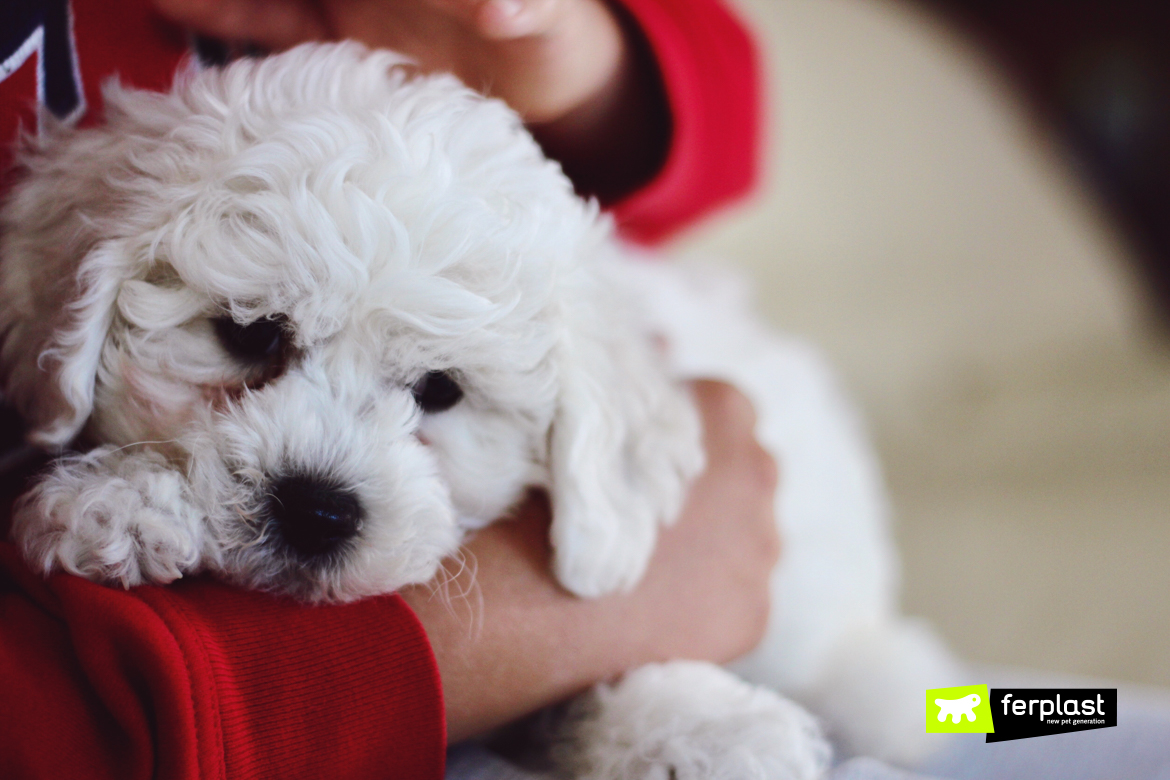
(199, 680)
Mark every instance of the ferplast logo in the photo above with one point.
(962, 710)
(1019, 713)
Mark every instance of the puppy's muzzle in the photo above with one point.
(313, 516)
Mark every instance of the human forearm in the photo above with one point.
(515, 642)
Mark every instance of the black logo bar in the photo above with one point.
(1020, 713)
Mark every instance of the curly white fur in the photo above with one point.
(687, 720)
(398, 225)
(395, 226)
(115, 516)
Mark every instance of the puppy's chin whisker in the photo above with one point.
(449, 589)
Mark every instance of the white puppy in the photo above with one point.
(314, 318)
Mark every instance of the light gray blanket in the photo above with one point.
(1137, 749)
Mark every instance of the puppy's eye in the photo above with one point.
(436, 392)
(259, 341)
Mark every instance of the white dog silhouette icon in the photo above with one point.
(957, 708)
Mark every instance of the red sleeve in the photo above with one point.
(711, 75)
(199, 680)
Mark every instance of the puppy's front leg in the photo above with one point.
(112, 515)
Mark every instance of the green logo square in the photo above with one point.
(962, 710)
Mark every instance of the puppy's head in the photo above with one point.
(352, 305)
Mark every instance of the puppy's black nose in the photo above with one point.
(314, 516)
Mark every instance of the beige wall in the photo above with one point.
(980, 309)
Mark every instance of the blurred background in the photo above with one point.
(968, 207)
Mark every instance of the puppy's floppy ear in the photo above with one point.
(51, 342)
(625, 442)
(58, 281)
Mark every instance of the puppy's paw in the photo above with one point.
(111, 516)
(688, 720)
